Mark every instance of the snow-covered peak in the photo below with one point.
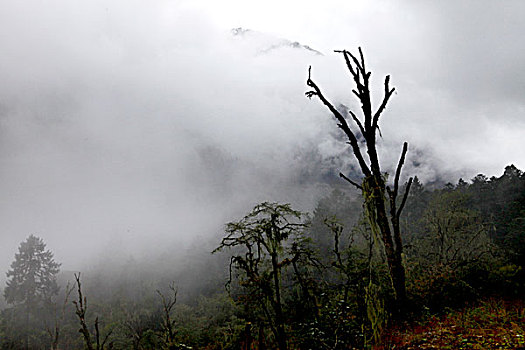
(265, 43)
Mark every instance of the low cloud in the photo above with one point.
(127, 126)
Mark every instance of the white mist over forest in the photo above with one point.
(130, 128)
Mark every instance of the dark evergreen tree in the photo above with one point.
(32, 278)
(31, 286)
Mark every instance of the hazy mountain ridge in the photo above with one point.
(267, 43)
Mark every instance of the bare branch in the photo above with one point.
(379, 130)
(106, 339)
(399, 166)
(362, 58)
(310, 93)
(342, 123)
(97, 333)
(405, 196)
(81, 307)
(349, 64)
(167, 305)
(352, 182)
(358, 122)
(357, 63)
(388, 94)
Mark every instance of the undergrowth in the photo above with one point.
(492, 324)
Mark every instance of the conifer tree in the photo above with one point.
(31, 286)
(32, 277)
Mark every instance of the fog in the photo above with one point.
(132, 128)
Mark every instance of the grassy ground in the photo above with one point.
(493, 324)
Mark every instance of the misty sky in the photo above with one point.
(132, 126)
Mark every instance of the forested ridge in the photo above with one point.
(464, 247)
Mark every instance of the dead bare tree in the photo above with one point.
(384, 222)
(168, 302)
(54, 332)
(81, 307)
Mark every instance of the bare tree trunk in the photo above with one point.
(81, 308)
(392, 243)
(27, 326)
(279, 317)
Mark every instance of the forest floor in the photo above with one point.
(492, 324)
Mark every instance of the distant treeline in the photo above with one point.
(280, 278)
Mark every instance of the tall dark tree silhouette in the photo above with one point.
(32, 280)
(383, 217)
